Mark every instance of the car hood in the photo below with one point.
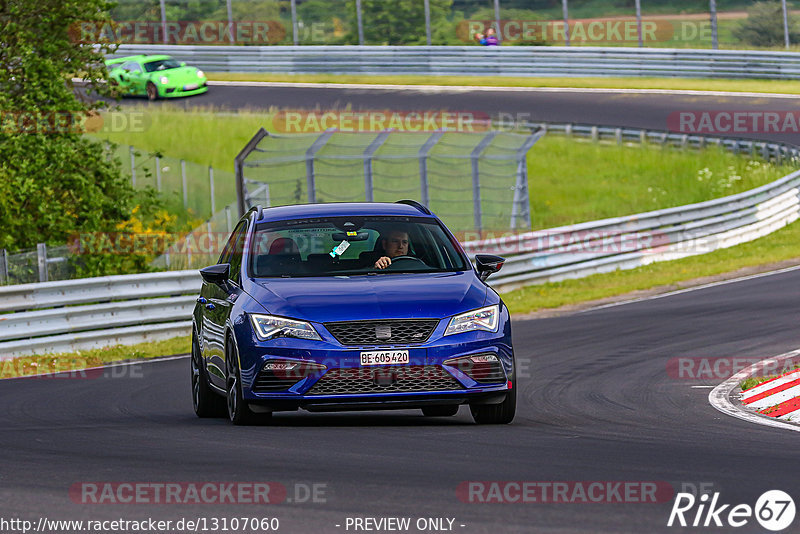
(395, 296)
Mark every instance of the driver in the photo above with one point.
(395, 244)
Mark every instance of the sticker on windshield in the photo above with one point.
(339, 249)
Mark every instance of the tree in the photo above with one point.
(764, 25)
(399, 22)
(55, 182)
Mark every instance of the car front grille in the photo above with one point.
(383, 332)
(390, 379)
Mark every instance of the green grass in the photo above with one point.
(694, 84)
(74, 361)
(753, 381)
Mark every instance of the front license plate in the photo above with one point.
(384, 357)
(190, 87)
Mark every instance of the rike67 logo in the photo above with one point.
(774, 510)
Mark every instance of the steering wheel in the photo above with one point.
(405, 258)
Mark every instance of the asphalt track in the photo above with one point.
(596, 404)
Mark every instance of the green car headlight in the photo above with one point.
(163, 80)
(200, 74)
(269, 326)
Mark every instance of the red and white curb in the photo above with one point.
(773, 403)
(779, 397)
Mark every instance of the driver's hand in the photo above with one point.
(383, 262)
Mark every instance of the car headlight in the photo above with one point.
(483, 319)
(200, 74)
(163, 80)
(269, 326)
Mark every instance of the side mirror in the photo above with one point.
(216, 274)
(183, 63)
(488, 264)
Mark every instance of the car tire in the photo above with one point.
(239, 412)
(152, 91)
(205, 401)
(497, 414)
(440, 411)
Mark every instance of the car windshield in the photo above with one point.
(340, 246)
(161, 64)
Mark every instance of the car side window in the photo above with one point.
(135, 67)
(227, 252)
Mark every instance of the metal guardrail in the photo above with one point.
(628, 242)
(483, 61)
(96, 312)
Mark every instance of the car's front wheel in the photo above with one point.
(206, 403)
(239, 411)
(152, 91)
(497, 414)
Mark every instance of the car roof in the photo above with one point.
(341, 209)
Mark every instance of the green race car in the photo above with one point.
(156, 77)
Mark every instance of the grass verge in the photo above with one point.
(691, 84)
(84, 359)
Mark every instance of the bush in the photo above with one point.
(764, 25)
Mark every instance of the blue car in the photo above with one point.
(350, 306)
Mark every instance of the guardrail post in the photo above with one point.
(183, 184)
(41, 257)
(568, 130)
(765, 152)
(423, 166)
(643, 137)
(618, 135)
(376, 143)
(477, 210)
(595, 134)
(133, 166)
(4, 265)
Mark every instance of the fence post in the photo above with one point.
(712, 8)
(230, 21)
(295, 36)
(228, 218)
(183, 184)
(423, 166)
(428, 22)
(41, 256)
(158, 174)
(521, 204)
(477, 211)
(133, 166)
(497, 21)
(368, 154)
(4, 265)
(565, 12)
(360, 23)
(164, 21)
(310, 171)
(211, 186)
(785, 24)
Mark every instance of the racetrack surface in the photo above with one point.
(580, 107)
(596, 404)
